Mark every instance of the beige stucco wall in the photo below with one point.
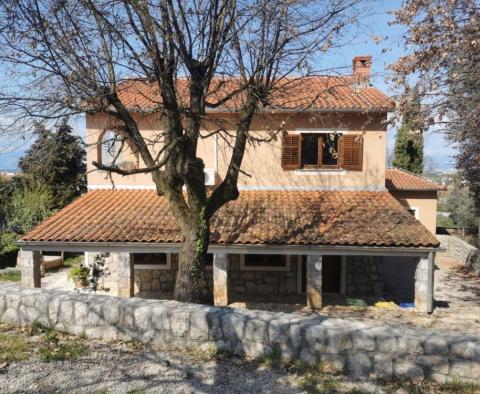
(262, 159)
(425, 202)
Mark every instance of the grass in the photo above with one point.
(10, 276)
(13, 347)
(456, 386)
(73, 261)
(53, 349)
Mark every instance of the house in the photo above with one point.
(319, 217)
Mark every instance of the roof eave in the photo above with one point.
(142, 247)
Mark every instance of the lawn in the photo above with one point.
(10, 276)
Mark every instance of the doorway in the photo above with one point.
(331, 274)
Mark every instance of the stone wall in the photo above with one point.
(358, 348)
(399, 278)
(261, 285)
(461, 250)
(364, 276)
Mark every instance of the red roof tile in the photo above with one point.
(397, 179)
(314, 93)
(256, 217)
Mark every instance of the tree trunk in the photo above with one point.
(190, 285)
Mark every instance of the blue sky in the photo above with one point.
(384, 53)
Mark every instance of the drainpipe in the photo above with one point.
(431, 266)
(215, 156)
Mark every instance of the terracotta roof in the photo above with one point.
(397, 179)
(256, 217)
(314, 93)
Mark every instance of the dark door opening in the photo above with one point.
(331, 274)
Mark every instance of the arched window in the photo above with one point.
(115, 150)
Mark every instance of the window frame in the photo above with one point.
(320, 165)
(286, 268)
(167, 266)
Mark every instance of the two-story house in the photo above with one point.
(319, 218)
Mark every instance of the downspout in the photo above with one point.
(215, 157)
(431, 266)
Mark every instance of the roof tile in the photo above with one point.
(316, 93)
(398, 179)
(256, 217)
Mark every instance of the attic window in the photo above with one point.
(115, 150)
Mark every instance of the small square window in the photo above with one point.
(151, 260)
(265, 262)
(209, 260)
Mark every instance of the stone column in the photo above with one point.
(424, 285)
(220, 279)
(122, 275)
(29, 263)
(314, 281)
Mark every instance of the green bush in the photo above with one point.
(30, 204)
(80, 274)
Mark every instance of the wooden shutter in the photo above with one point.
(352, 152)
(291, 151)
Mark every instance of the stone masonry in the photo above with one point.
(358, 348)
(364, 276)
(30, 267)
(262, 286)
(421, 286)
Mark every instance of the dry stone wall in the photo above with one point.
(462, 251)
(360, 349)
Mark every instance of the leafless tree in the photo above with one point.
(72, 56)
(442, 60)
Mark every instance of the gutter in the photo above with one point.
(137, 247)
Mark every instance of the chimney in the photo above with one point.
(361, 69)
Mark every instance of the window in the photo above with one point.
(114, 149)
(264, 262)
(322, 150)
(209, 261)
(152, 260)
(413, 211)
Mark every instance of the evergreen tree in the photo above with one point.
(408, 151)
(57, 161)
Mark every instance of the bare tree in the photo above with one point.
(74, 56)
(442, 60)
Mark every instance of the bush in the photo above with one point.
(79, 275)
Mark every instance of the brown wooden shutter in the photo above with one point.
(291, 151)
(352, 152)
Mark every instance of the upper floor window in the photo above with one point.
(322, 150)
(115, 150)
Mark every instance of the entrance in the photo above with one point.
(331, 274)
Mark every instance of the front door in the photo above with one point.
(331, 274)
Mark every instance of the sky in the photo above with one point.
(361, 43)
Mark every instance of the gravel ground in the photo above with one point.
(130, 368)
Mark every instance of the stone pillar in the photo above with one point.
(220, 279)
(29, 263)
(314, 281)
(123, 275)
(424, 285)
